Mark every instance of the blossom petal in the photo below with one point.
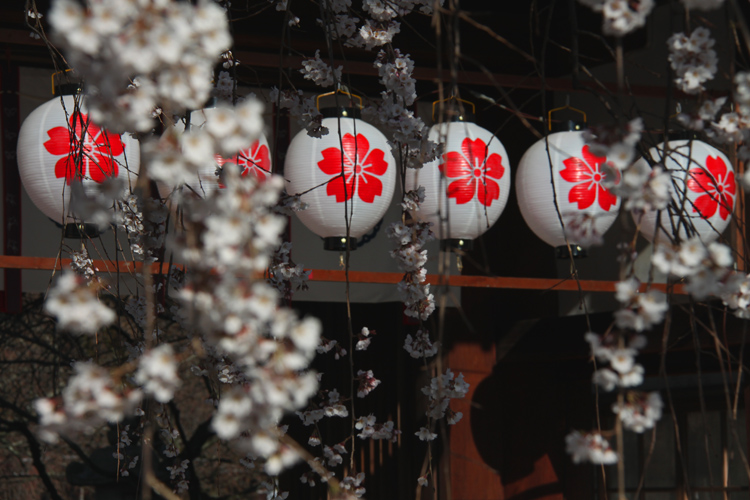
(462, 190)
(487, 191)
(369, 187)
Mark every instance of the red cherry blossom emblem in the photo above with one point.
(254, 161)
(87, 150)
(361, 169)
(717, 187)
(588, 176)
(474, 172)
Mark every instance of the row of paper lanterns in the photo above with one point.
(466, 189)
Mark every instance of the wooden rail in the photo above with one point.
(338, 276)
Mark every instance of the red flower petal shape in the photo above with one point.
(719, 187)
(726, 206)
(730, 186)
(255, 160)
(59, 142)
(109, 143)
(588, 176)
(369, 187)
(606, 199)
(331, 162)
(359, 168)
(584, 194)
(341, 191)
(494, 166)
(65, 167)
(80, 122)
(487, 191)
(700, 181)
(261, 160)
(375, 163)
(101, 167)
(705, 205)
(462, 190)
(355, 148)
(95, 146)
(593, 160)
(455, 165)
(475, 151)
(576, 170)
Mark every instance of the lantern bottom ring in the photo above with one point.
(338, 243)
(576, 251)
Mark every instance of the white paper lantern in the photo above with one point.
(363, 193)
(579, 191)
(58, 145)
(468, 187)
(704, 188)
(253, 160)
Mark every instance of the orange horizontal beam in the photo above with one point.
(326, 275)
(482, 281)
(50, 263)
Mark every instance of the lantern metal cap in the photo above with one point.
(338, 243)
(341, 112)
(567, 126)
(79, 231)
(577, 251)
(456, 244)
(67, 89)
(462, 117)
(681, 135)
(66, 83)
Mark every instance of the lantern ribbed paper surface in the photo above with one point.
(704, 188)
(58, 145)
(577, 176)
(367, 183)
(253, 160)
(468, 187)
